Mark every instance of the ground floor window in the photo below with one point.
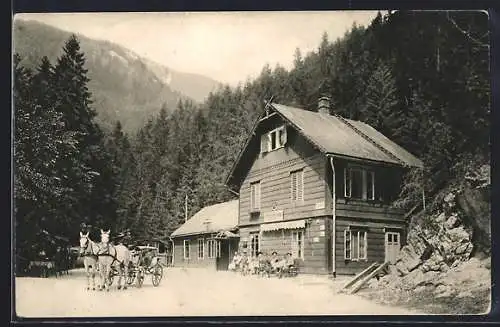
(355, 245)
(201, 248)
(254, 244)
(213, 248)
(298, 244)
(187, 249)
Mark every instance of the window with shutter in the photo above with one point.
(264, 147)
(297, 186)
(282, 137)
(300, 185)
(255, 196)
(273, 140)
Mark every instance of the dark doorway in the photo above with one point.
(223, 259)
(228, 247)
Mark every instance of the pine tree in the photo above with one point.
(382, 110)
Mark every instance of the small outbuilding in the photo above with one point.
(209, 238)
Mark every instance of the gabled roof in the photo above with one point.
(211, 219)
(335, 135)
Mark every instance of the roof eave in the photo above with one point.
(386, 163)
(205, 232)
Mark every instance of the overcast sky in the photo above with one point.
(228, 47)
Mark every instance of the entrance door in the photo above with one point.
(223, 254)
(392, 246)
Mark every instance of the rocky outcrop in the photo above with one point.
(443, 242)
(447, 252)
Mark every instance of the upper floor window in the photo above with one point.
(255, 196)
(359, 183)
(273, 140)
(297, 185)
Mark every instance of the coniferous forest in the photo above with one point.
(422, 79)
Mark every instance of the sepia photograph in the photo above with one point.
(235, 164)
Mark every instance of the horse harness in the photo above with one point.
(108, 253)
(91, 253)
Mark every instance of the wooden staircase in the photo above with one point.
(363, 277)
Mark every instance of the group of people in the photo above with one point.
(264, 264)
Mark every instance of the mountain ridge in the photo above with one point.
(124, 85)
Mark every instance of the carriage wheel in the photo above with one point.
(139, 277)
(157, 274)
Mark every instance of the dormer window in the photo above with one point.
(273, 140)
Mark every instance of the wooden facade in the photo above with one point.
(286, 202)
(205, 251)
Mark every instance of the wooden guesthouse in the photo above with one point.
(320, 186)
(209, 238)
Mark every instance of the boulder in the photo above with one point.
(435, 263)
(464, 293)
(452, 221)
(408, 260)
(458, 234)
(464, 249)
(449, 198)
(486, 263)
(401, 269)
(443, 291)
(391, 271)
(422, 279)
(441, 218)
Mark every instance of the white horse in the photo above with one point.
(89, 250)
(112, 255)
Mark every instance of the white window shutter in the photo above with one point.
(300, 186)
(283, 136)
(257, 196)
(263, 143)
(269, 142)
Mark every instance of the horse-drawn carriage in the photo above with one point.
(144, 261)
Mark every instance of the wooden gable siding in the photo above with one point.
(273, 171)
(375, 243)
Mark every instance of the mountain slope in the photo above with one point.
(124, 86)
(197, 87)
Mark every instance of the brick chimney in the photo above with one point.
(324, 105)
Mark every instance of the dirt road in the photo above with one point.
(193, 292)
